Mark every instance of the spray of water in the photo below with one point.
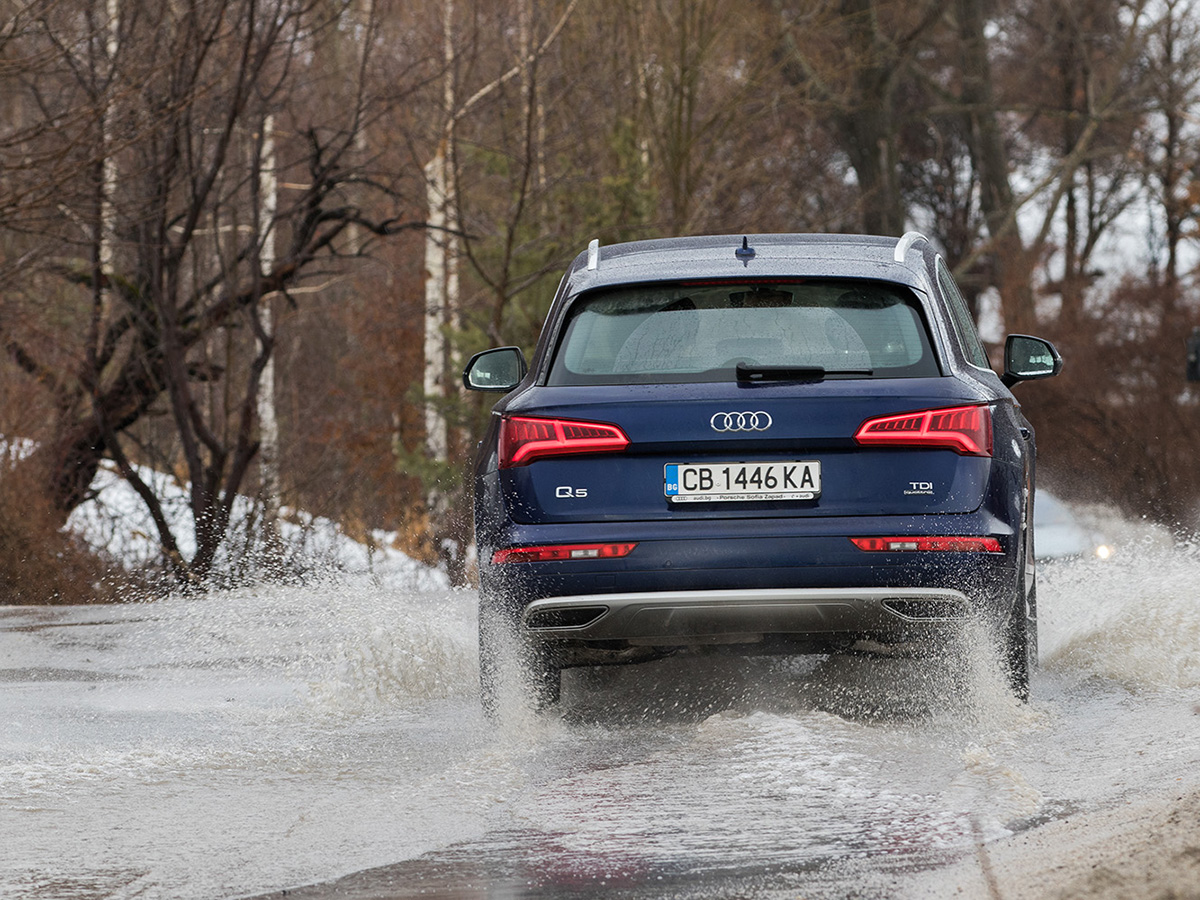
(1133, 619)
(211, 746)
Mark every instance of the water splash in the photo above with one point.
(1133, 620)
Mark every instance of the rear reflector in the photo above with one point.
(522, 439)
(558, 552)
(928, 543)
(963, 429)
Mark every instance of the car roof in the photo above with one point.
(752, 256)
(908, 260)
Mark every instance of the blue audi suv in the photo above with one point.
(773, 443)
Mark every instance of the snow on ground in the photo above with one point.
(117, 524)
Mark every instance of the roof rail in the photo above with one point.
(906, 243)
(594, 254)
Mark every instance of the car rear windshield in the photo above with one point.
(656, 333)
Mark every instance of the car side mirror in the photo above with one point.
(1027, 358)
(500, 369)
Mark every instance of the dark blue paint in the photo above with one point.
(746, 545)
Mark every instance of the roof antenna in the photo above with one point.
(745, 252)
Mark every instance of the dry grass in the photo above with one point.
(41, 564)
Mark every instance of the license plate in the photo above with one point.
(716, 482)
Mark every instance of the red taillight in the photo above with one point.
(963, 429)
(928, 543)
(556, 552)
(522, 439)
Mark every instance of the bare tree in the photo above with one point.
(444, 250)
(1170, 144)
(173, 323)
(1097, 96)
(853, 58)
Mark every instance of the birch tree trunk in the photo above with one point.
(441, 294)
(441, 302)
(268, 422)
(107, 216)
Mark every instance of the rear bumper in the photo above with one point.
(748, 556)
(765, 586)
(686, 618)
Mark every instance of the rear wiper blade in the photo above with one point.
(753, 373)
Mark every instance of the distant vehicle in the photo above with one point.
(766, 444)
(1059, 534)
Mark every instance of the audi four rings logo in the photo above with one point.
(741, 421)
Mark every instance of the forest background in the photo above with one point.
(248, 244)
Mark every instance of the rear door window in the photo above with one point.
(688, 332)
(964, 325)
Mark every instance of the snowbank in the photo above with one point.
(117, 525)
(1144, 849)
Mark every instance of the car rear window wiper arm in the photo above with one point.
(755, 373)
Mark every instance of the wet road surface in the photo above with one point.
(327, 741)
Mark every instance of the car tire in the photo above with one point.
(510, 666)
(1019, 646)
